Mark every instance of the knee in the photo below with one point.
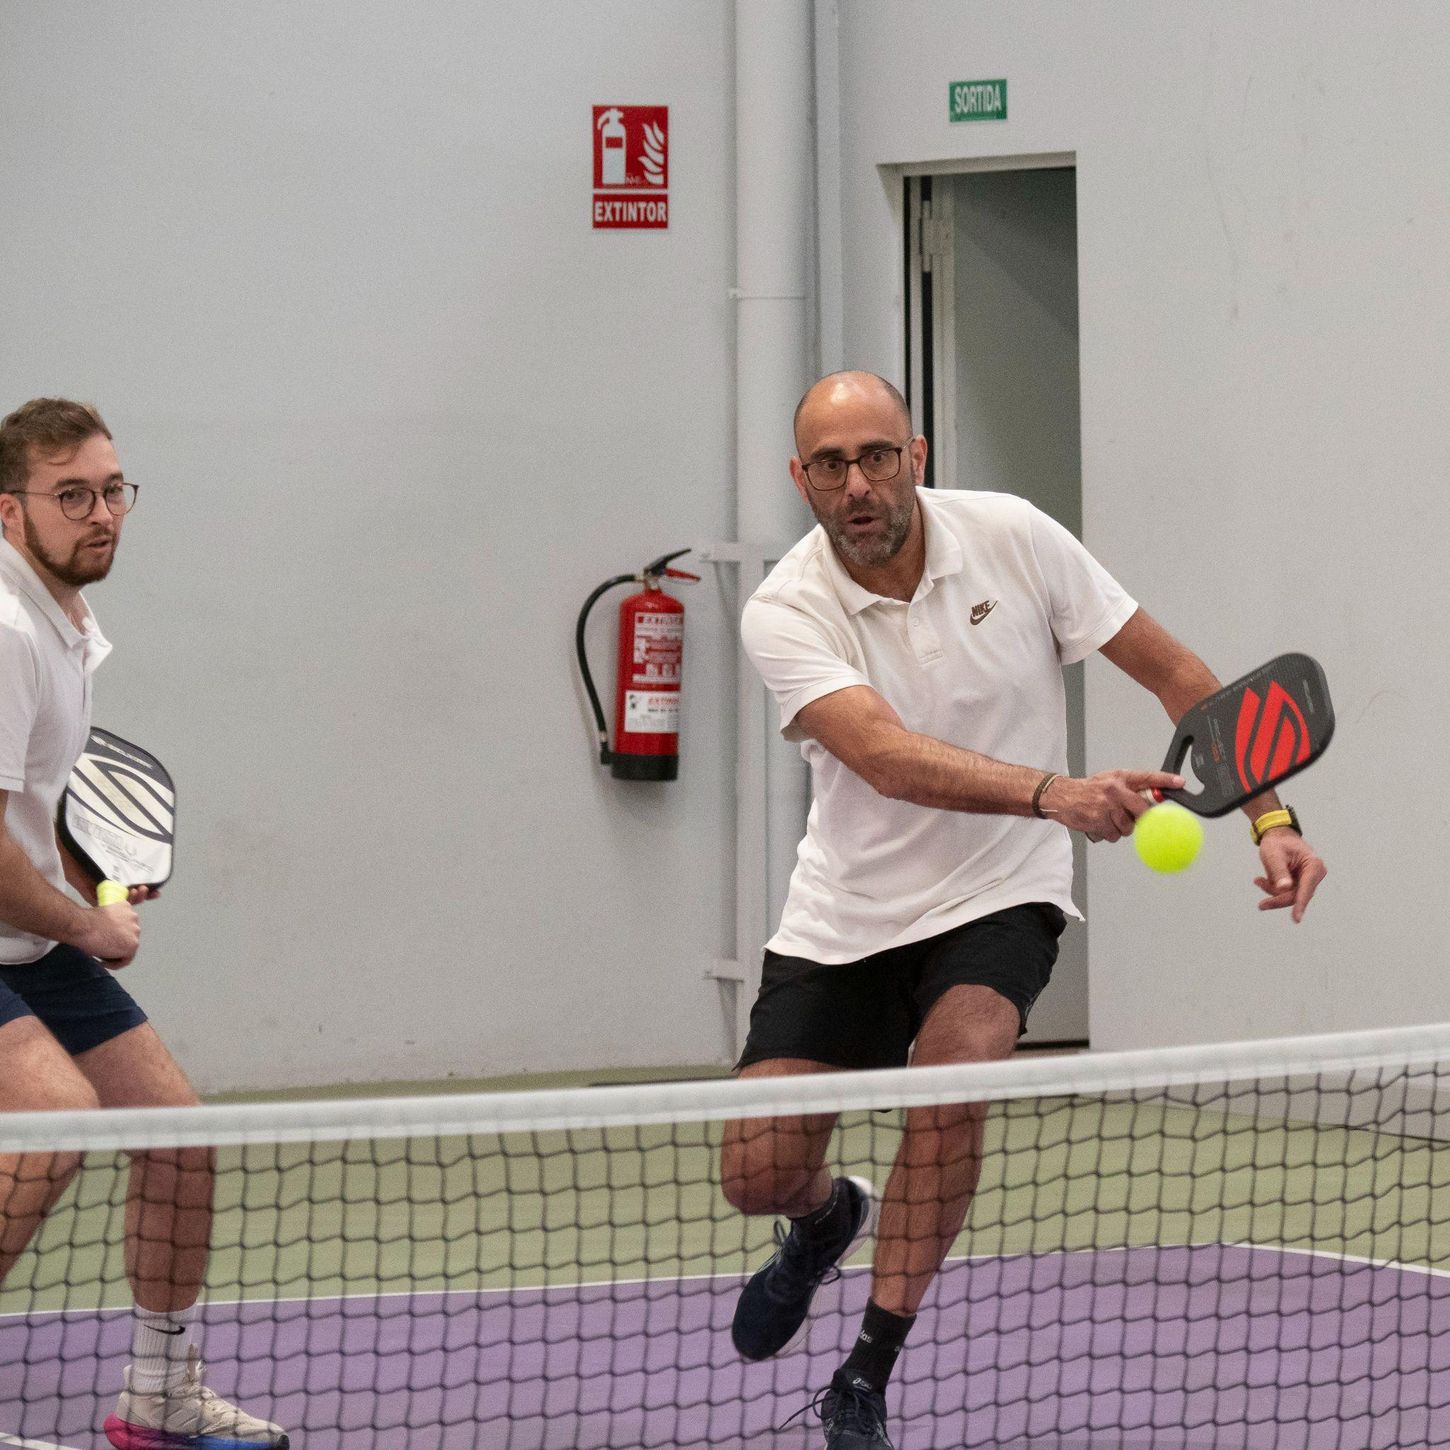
(73, 1095)
(964, 1119)
(755, 1197)
(76, 1096)
(747, 1192)
(755, 1183)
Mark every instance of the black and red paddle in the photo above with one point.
(1252, 734)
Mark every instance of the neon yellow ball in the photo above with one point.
(1168, 837)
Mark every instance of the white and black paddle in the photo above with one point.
(118, 816)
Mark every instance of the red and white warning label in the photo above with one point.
(631, 167)
(659, 643)
(652, 712)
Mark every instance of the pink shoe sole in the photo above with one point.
(125, 1436)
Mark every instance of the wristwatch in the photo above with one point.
(1266, 823)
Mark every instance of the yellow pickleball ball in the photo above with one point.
(1168, 837)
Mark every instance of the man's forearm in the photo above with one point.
(929, 772)
(28, 902)
(79, 878)
(1189, 682)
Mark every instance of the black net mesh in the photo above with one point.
(1253, 1260)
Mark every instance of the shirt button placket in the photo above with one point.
(924, 644)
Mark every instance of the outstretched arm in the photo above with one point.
(860, 728)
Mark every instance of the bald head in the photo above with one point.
(825, 399)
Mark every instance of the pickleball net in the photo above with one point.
(1232, 1246)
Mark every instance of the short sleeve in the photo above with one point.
(796, 657)
(1088, 605)
(19, 701)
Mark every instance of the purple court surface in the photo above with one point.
(1211, 1347)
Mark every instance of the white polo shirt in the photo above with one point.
(46, 665)
(1007, 598)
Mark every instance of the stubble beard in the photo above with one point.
(72, 574)
(873, 553)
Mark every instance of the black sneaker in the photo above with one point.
(771, 1314)
(853, 1414)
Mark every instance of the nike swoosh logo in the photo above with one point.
(982, 610)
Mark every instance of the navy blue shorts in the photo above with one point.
(866, 1014)
(76, 999)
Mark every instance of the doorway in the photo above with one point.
(992, 377)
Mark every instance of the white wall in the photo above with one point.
(327, 270)
(1262, 233)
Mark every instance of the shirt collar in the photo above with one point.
(943, 557)
(17, 567)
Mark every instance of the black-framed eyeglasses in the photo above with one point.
(78, 502)
(877, 465)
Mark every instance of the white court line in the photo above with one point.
(705, 1278)
(31, 1444)
(1344, 1258)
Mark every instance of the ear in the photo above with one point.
(10, 507)
(916, 450)
(798, 477)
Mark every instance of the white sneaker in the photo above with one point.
(189, 1417)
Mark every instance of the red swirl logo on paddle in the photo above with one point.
(1271, 736)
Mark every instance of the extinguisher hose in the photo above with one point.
(604, 754)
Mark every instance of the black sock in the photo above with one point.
(874, 1356)
(830, 1219)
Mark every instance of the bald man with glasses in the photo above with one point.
(915, 643)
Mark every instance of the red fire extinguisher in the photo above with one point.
(647, 687)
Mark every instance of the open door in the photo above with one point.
(992, 378)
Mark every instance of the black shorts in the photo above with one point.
(867, 1013)
(76, 999)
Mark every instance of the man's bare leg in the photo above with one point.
(168, 1241)
(922, 1211)
(38, 1076)
(169, 1204)
(777, 1165)
(940, 1157)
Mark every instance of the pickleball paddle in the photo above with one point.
(118, 815)
(1251, 735)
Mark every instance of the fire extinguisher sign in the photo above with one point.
(631, 167)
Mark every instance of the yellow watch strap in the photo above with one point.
(1267, 822)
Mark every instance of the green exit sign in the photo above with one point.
(977, 100)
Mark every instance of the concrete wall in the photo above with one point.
(1263, 308)
(395, 408)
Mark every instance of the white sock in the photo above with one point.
(159, 1345)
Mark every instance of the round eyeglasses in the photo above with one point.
(78, 502)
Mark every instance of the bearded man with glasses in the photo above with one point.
(71, 1037)
(915, 643)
